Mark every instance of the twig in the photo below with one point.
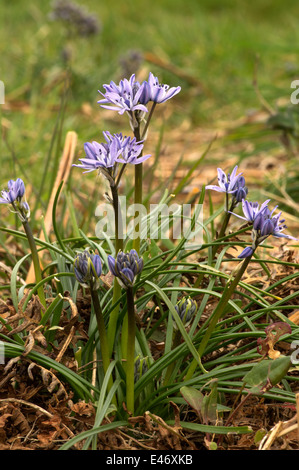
(23, 402)
(65, 344)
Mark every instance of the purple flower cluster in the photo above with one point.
(126, 96)
(157, 92)
(116, 149)
(14, 193)
(233, 184)
(81, 22)
(87, 267)
(15, 196)
(264, 224)
(252, 210)
(186, 309)
(226, 183)
(131, 95)
(125, 267)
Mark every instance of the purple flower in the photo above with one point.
(248, 251)
(15, 192)
(129, 95)
(15, 196)
(125, 267)
(116, 149)
(241, 191)
(100, 156)
(124, 97)
(252, 210)
(265, 224)
(157, 92)
(83, 23)
(87, 268)
(131, 150)
(269, 224)
(227, 184)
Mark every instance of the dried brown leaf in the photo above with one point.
(4, 418)
(83, 409)
(29, 344)
(11, 363)
(20, 421)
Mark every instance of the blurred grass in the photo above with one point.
(216, 42)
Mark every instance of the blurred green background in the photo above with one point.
(208, 47)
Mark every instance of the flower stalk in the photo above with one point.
(88, 269)
(101, 327)
(125, 267)
(138, 188)
(14, 196)
(139, 170)
(102, 334)
(232, 185)
(130, 365)
(118, 247)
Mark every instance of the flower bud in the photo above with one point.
(125, 267)
(140, 367)
(186, 309)
(88, 268)
(258, 222)
(267, 228)
(17, 188)
(248, 251)
(15, 196)
(241, 194)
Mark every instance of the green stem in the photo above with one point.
(120, 175)
(218, 312)
(35, 260)
(139, 170)
(116, 287)
(117, 219)
(114, 315)
(102, 331)
(148, 120)
(130, 351)
(225, 222)
(138, 188)
(101, 327)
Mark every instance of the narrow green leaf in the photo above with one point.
(206, 428)
(92, 432)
